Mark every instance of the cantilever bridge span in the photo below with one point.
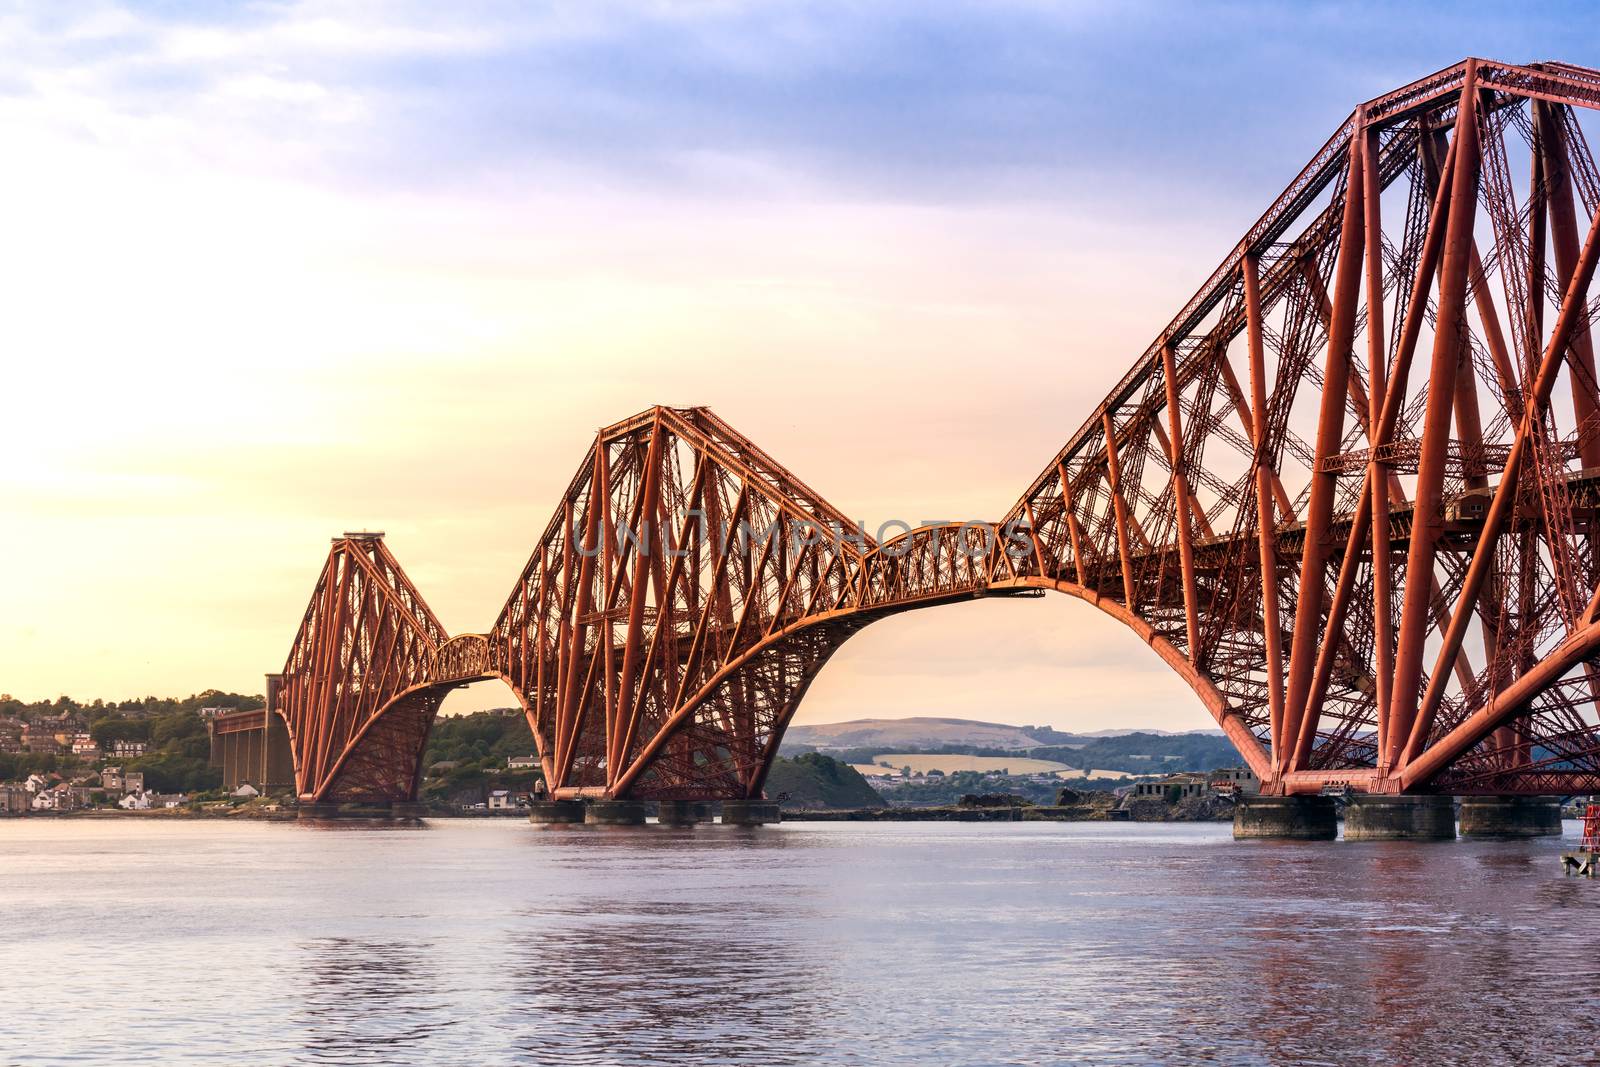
(1349, 494)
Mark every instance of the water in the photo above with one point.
(495, 942)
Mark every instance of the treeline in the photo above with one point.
(1167, 752)
(815, 781)
(135, 707)
(179, 747)
(478, 745)
(942, 791)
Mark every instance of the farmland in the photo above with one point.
(948, 763)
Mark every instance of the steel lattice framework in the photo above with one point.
(1349, 494)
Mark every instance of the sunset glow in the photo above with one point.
(301, 269)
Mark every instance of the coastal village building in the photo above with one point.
(114, 780)
(62, 797)
(522, 763)
(1224, 781)
(126, 749)
(1187, 784)
(143, 801)
(1235, 780)
(15, 799)
(505, 800)
(41, 742)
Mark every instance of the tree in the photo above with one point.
(176, 726)
(168, 772)
(116, 728)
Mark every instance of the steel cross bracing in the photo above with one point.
(1348, 494)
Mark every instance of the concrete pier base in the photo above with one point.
(615, 813)
(749, 812)
(680, 812)
(378, 809)
(555, 812)
(1510, 817)
(1403, 818)
(1299, 818)
(317, 811)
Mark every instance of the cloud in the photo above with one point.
(902, 101)
(276, 270)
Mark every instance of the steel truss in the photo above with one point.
(1375, 572)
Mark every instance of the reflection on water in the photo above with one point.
(657, 984)
(498, 942)
(354, 825)
(363, 1000)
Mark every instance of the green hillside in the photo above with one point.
(816, 781)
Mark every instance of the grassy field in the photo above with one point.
(1012, 764)
(946, 764)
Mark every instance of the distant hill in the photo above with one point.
(1152, 733)
(900, 735)
(926, 733)
(816, 781)
(1148, 752)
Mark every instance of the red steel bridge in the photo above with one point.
(1349, 494)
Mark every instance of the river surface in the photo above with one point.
(496, 942)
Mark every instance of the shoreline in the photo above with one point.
(1037, 813)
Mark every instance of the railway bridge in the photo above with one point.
(1349, 494)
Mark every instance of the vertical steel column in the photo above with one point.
(1564, 235)
(1073, 530)
(1377, 474)
(1448, 342)
(1266, 522)
(1300, 718)
(1180, 504)
(650, 493)
(1119, 509)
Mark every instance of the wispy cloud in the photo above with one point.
(275, 270)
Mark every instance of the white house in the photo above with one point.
(522, 763)
(139, 801)
(501, 800)
(60, 798)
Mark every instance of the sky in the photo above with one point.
(273, 271)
